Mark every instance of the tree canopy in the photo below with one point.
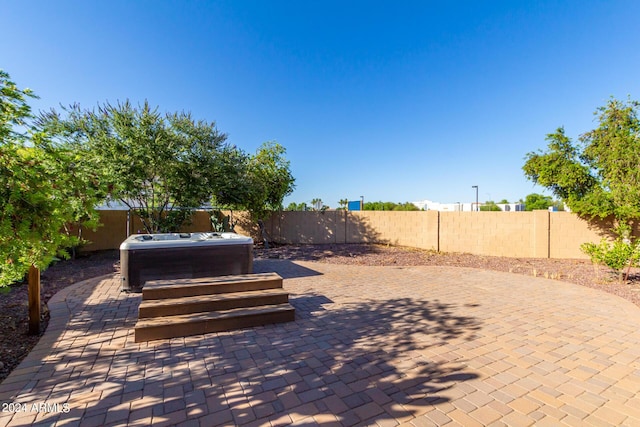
(159, 165)
(44, 187)
(599, 175)
(55, 168)
(272, 179)
(535, 201)
(293, 206)
(257, 183)
(163, 165)
(490, 206)
(389, 206)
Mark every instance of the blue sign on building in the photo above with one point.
(354, 206)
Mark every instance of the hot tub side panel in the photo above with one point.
(141, 265)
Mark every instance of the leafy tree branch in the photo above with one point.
(44, 189)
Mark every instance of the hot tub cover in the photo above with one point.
(174, 240)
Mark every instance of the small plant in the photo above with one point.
(222, 223)
(621, 254)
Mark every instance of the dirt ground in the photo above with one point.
(15, 344)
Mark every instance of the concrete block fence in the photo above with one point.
(537, 234)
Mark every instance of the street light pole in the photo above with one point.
(477, 206)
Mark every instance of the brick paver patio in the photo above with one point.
(380, 346)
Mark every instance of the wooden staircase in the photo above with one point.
(183, 307)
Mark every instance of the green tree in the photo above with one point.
(378, 206)
(232, 184)
(270, 180)
(157, 165)
(389, 206)
(258, 183)
(599, 176)
(302, 207)
(490, 206)
(317, 204)
(44, 187)
(406, 206)
(293, 206)
(535, 201)
(343, 203)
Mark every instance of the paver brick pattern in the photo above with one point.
(379, 346)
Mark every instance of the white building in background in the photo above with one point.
(511, 207)
(428, 205)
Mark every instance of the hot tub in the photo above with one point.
(183, 255)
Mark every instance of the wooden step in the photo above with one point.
(201, 323)
(213, 302)
(177, 288)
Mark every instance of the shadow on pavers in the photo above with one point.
(365, 360)
(285, 268)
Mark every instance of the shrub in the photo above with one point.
(617, 255)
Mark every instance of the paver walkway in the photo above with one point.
(370, 346)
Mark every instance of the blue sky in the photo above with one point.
(390, 100)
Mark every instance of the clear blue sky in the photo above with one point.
(394, 101)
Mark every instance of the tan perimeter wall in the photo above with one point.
(538, 234)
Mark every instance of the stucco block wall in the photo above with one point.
(567, 232)
(108, 236)
(414, 229)
(308, 227)
(495, 233)
(538, 234)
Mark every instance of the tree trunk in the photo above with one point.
(263, 234)
(34, 300)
